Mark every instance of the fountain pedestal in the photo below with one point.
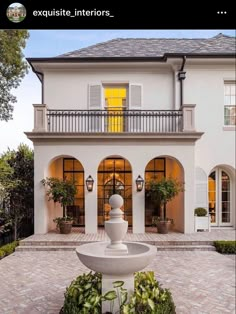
(116, 260)
(107, 285)
(116, 228)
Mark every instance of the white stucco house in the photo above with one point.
(138, 107)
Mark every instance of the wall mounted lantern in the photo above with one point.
(89, 183)
(139, 183)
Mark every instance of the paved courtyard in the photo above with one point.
(200, 282)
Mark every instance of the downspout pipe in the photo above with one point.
(181, 77)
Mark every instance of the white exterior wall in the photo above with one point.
(204, 86)
(69, 89)
(98, 150)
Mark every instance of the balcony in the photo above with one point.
(115, 121)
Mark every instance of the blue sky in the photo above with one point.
(49, 43)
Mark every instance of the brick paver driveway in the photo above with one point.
(34, 282)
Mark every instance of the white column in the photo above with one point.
(91, 212)
(40, 118)
(188, 118)
(138, 206)
(40, 208)
(107, 285)
(189, 194)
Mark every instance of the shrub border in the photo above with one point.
(8, 249)
(225, 247)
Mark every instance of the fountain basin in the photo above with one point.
(92, 255)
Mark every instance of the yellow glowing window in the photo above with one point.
(115, 102)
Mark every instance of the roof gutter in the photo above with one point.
(162, 58)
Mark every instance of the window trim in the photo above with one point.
(228, 127)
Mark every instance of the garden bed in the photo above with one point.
(84, 296)
(8, 249)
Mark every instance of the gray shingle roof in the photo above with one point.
(156, 47)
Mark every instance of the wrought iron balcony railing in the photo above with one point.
(114, 121)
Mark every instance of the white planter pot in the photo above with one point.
(202, 223)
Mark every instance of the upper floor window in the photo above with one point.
(229, 104)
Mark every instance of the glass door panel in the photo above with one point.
(73, 170)
(115, 102)
(114, 176)
(219, 198)
(225, 198)
(155, 170)
(212, 197)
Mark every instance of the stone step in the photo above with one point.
(177, 243)
(52, 243)
(25, 248)
(77, 243)
(185, 248)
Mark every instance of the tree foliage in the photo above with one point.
(61, 191)
(12, 68)
(164, 190)
(17, 185)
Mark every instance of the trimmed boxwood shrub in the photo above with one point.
(84, 296)
(2, 254)
(8, 248)
(200, 211)
(225, 247)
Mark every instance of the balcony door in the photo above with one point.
(219, 196)
(115, 104)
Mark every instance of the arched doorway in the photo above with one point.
(220, 197)
(157, 168)
(114, 177)
(69, 168)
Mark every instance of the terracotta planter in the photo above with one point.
(65, 227)
(163, 226)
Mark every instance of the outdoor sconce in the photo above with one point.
(139, 183)
(89, 183)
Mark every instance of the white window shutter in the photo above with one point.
(95, 97)
(201, 188)
(135, 101)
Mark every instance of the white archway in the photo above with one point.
(165, 166)
(114, 176)
(67, 167)
(221, 196)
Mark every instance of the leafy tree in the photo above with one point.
(163, 191)
(61, 191)
(12, 68)
(17, 183)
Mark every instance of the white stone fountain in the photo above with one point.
(116, 260)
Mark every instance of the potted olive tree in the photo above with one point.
(63, 192)
(162, 192)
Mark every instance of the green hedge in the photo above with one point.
(84, 296)
(8, 249)
(225, 247)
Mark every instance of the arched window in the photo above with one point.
(219, 198)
